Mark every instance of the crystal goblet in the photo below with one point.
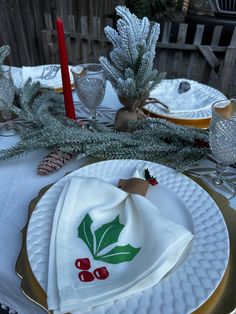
(7, 92)
(90, 85)
(222, 139)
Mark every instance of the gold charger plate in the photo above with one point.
(59, 90)
(222, 301)
(203, 123)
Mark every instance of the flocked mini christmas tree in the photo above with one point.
(129, 66)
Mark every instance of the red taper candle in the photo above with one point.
(68, 99)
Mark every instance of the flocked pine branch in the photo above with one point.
(152, 139)
(130, 63)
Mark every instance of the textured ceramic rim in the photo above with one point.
(210, 245)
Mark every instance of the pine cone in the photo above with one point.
(53, 161)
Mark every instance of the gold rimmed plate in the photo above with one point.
(197, 123)
(59, 89)
(191, 106)
(29, 284)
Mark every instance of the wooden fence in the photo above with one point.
(29, 28)
(211, 63)
(21, 22)
(85, 42)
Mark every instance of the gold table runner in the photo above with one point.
(222, 301)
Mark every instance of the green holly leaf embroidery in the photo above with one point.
(85, 233)
(119, 254)
(108, 234)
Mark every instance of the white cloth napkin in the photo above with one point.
(48, 75)
(121, 242)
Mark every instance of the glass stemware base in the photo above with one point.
(92, 119)
(227, 188)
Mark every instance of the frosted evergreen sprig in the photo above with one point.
(152, 139)
(130, 63)
(152, 40)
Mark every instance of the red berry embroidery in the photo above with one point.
(83, 263)
(152, 181)
(101, 273)
(85, 276)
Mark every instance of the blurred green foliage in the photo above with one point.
(149, 8)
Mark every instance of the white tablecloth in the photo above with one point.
(19, 184)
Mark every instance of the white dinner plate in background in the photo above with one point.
(195, 103)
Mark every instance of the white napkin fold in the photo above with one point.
(107, 244)
(48, 75)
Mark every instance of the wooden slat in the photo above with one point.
(72, 48)
(47, 40)
(48, 21)
(71, 22)
(166, 33)
(199, 34)
(53, 53)
(188, 47)
(209, 56)
(193, 60)
(69, 48)
(84, 46)
(182, 33)
(162, 54)
(83, 36)
(227, 68)
(216, 35)
(63, 10)
(90, 43)
(96, 26)
(84, 25)
(96, 32)
(19, 28)
(178, 56)
(233, 39)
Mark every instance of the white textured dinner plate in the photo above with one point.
(200, 270)
(195, 103)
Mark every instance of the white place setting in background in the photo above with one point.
(194, 103)
(48, 75)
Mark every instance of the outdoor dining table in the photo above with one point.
(19, 184)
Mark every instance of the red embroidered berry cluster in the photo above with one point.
(85, 275)
(152, 180)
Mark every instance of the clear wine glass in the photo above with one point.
(90, 85)
(7, 92)
(222, 139)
